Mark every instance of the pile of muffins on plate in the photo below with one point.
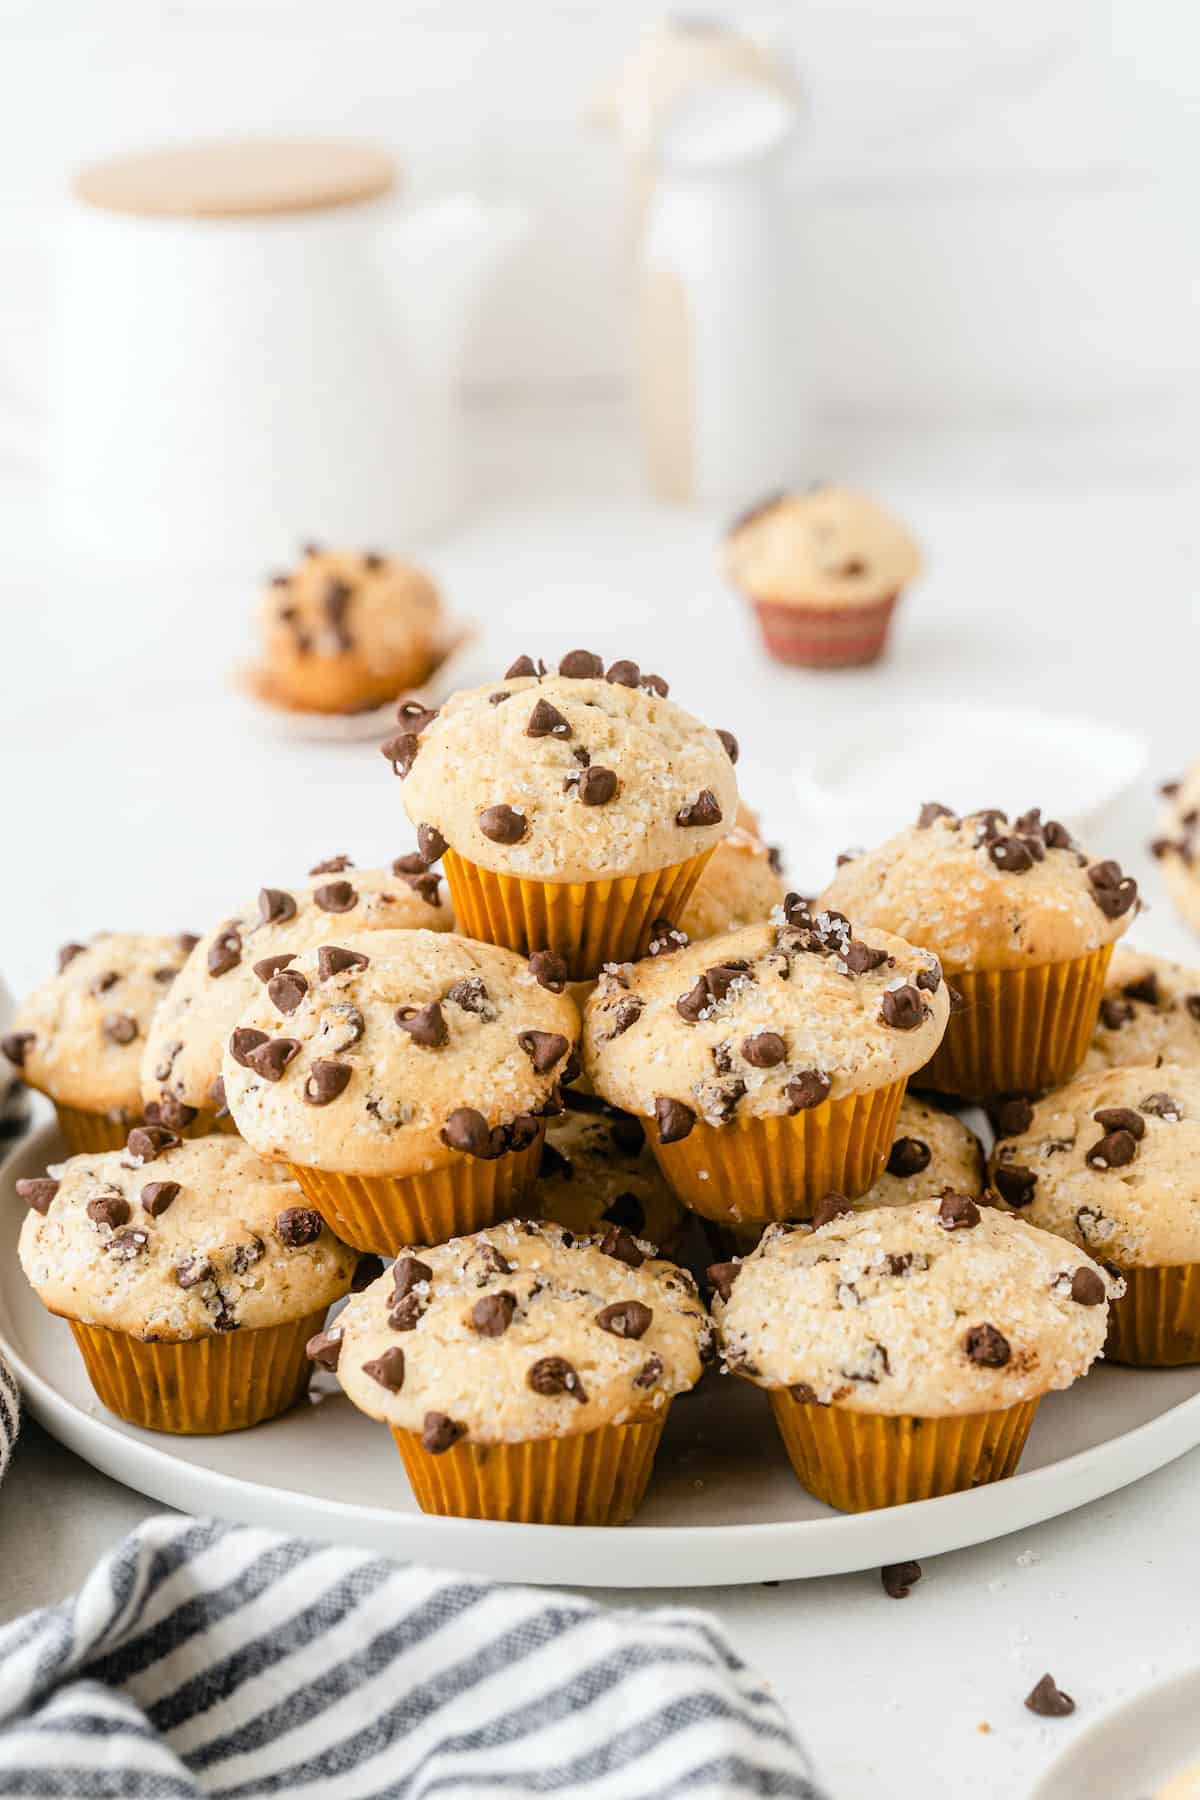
(616, 1034)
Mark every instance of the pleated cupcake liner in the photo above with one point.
(858, 1461)
(384, 1212)
(781, 1167)
(818, 635)
(1019, 1030)
(90, 1133)
(1156, 1323)
(206, 1385)
(592, 1478)
(587, 923)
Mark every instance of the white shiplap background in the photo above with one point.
(997, 206)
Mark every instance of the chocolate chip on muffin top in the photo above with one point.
(824, 545)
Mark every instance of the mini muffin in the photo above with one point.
(79, 1037)
(1150, 1013)
(574, 810)
(823, 570)
(905, 1350)
(343, 631)
(596, 1171)
(526, 1374)
(769, 1062)
(407, 1084)
(932, 1153)
(1177, 847)
(192, 1275)
(1110, 1162)
(740, 883)
(231, 964)
(1024, 924)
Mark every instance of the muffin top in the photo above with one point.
(770, 1019)
(371, 1063)
(932, 1152)
(826, 545)
(739, 883)
(1110, 1162)
(933, 1309)
(340, 603)
(596, 1171)
(231, 964)
(987, 894)
(80, 1036)
(520, 1332)
(168, 1241)
(579, 776)
(1150, 1013)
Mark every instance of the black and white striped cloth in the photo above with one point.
(209, 1659)
(10, 1414)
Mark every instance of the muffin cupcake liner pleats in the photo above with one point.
(1156, 1323)
(587, 923)
(859, 1461)
(592, 1478)
(201, 1386)
(819, 635)
(1018, 1030)
(382, 1213)
(781, 1167)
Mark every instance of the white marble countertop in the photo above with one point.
(138, 791)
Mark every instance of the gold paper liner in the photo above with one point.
(1019, 1030)
(593, 1478)
(204, 1385)
(1156, 1324)
(89, 1133)
(384, 1212)
(781, 1167)
(588, 923)
(859, 1461)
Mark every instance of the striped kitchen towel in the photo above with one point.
(203, 1658)
(10, 1413)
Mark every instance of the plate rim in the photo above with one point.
(1114, 1720)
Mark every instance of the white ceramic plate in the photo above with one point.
(1133, 1750)
(723, 1507)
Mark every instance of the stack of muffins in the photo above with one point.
(616, 1036)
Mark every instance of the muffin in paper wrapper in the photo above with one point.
(1156, 1323)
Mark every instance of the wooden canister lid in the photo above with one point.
(237, 179)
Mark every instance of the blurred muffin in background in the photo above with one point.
(1177, 847)
(345, 631)
(740, 884)
(824, 570)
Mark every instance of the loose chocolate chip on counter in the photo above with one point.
(225, 951)
(551, 1375)
(108, 1209)
(128, 1244)
(333, 960)
(625, 1318)
(297, 1226)
(958, 1212)
(624, 673)
(68, 953)
(145, 1142)
(440, 1433)
(367, 1269)
(326, 1080)
(119, 1028)
(1113, 892)
(1162, 1106)
(401, 751)
(193, 1270)
(1048, 1701)
(1115, 1150)
(1011, 855)
(581, 665)
(503, 825)
(243, 1040)
(765, 1050)
(468, 1131)
(932, 809)
(275, 905)
(833, 1206)
(987, 1347)
(16, 1046)
(37, 1191)
(902, 1008)
(1121, 1118)
(325, 1348)
(899, 1579)
(548, 970)
(156, 1196)
(1012, 1115)
(722, 1275)
(543, 1048)
(622, 1246)
(674, 1119)
(332, 865)
(425, 1025)
(703, 810)
(1087, 1288)
(730, 743)
(336, 897)
(546, 721)
(1014, 1183)
(387, 1369)
(665, 939)
(807, 1089)
(287, 989)
(908, 1156)
(649, 1373)
(493, 1314)
(597, 786)
(271, 965)
(271, 1059)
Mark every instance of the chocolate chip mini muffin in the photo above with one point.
(344, 631)
(824, 570)
(526, 1374)
(932, 1153)
(1110, 1162)
(573, 809)
(1024, 923)
(596, 1171)
(408, 1090)
(1177, 846)
(191, 1274)
(740, 883)
(1150, 1013)
(232, 963)
(769, 1062)
(79, 1037)
(905, 1350)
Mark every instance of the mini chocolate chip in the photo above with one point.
(1014, 1183)
(553, 1163)
(1145, 989)
(325, 1348)
(628, 1134)
(1115, 1013)
(722, 1275)
(524, 665)
(243, 1040)
(649, 1373)
(1012, 1116)
(899, 1579)
(326, 1080)
(503, 825)
(332, 865)
(703, 810)
(170, 1111)
(546, 721)
(407, 1272)
(411, 864)
(271, 1059)
(493, 1314)
(430, 843)
(387, 1369)
(625, 1318)
(665, 939)
(832, 1207)
(1011, 855)
(103, 982)
(367, 1269)
(145, 1142)
(765, 1050)
(627, 1211)
(1113, 892)
(1121, 1118)
(487, 1261)
(401, 751)
(932, 809)
(987, 1347)
(624, 1014)
(271, 965)
(16, 1046)
(1048, 1701)
(415, 716)
(958, 1212)
(694, 1005)
(861, 958)
(440, 1433)
(551, 1375)
(1115, 1150)
(470, 995)
(468, 1131)
(193, 1270)
(807, 1089)
(156, 1196)
(498, 698)
(581, 665)
(275, 905)
(225, 951)
(108, 1209)
(624, 674)
(333, 960)
(128, 1244)
(902, 1008)
(68, 953)
(1056, 836)
(287, 989)
(336, 897)
(425, 1025)
(928, 980)
(548, 970)
(216, 1093)
(597, 786)
(899, 1262)
(543, 1048)
(37, 1191)
(1162, 1106)
(119, 1028)
(297, 1226)
(674, 1119)
(622, 1246)
(730, 743)
(1087, 1288)
(908, 1156)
